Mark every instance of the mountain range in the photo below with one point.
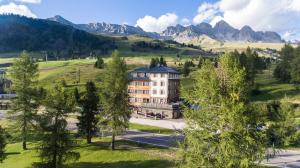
(19, 33)
(222, 32)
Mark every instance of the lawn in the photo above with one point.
(98, 155)
(273, 89)
(152, 129)
(270, 88)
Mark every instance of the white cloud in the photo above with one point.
(185, 22)
(215, 20)
(12, 8)
(206, 11)
(152, 24)
(281, 15)
(29, 1)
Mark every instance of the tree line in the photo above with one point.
(45, 111)
(249, 60)
(287, 69)
(23, 33)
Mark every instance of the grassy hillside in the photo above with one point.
(240, 46)
(270, 88)
(273, 89)
(167, 48)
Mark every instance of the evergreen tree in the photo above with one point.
(2, 144)
(162, 61)
(281, 123)
(222, 132)
(201, 62)
(24, 75)
(99, 63)
(56, 145)
(153, 63)
(114, 97)
(282, 70)
(77, 95)
(295, 71)
(87, 120)
(186, 69)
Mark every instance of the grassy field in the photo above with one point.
(98, 155)
(273, 89)
(79, 71)
(270, 88)
(241, 46)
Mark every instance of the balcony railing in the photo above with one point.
(158, 105)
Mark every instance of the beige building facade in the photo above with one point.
(154, 92)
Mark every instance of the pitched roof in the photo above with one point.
(157, 69)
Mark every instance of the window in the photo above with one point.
(145, 83)
(146, 92)
(154, 83)
(139, 91)
(146, 100)
(162, 83)
(130, 91)
(141, 75)
(161, 92)
(154, 91)
(162, 75)
(132, 100)
(154, 75)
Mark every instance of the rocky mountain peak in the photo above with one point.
(60, 19)
(222, 31)
(246, 29)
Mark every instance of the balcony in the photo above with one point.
(161, 106)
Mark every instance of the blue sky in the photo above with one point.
(114, 11)
(282, 16)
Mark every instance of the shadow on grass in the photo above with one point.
(12, 153)
(121, 145)
(125, 164)
(272, 94)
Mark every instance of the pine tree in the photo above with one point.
(114, 97)
(162, 61)
(280, 117)
(99, 63)
(222, 132)
(2, 144)
(186, 69)
(24, 75)
(153, 63)
(77, 95)
(56, 145)
(87, 125)
(295, 71)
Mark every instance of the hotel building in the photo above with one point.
(154, 92)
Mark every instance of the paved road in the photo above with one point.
(285, 158)
(169, 141)
(177, 124)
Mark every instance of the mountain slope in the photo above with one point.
(222, 31)
(106, 28)
(21, 33)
